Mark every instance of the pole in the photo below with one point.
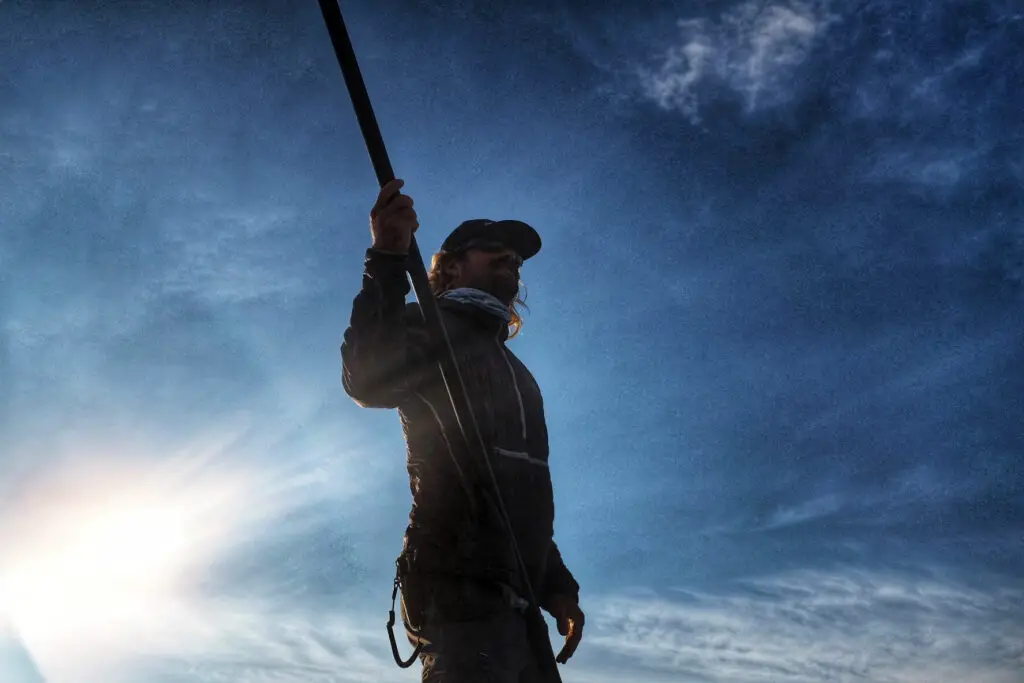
(448, 366)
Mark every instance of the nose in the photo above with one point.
(511, 259)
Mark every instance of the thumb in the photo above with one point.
(563, 626)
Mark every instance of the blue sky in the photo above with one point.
(777, 322)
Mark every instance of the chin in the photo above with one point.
(502, 288)
(504, 295)
(501, 294)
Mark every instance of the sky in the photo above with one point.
(776, 320)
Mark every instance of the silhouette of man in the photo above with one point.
(462, 594)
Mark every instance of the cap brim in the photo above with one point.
(517, 235)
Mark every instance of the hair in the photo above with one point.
(441, 281)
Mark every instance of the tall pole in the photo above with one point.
(448, 366)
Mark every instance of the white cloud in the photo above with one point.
(775, 41)
(936, 170)
(908, 84)
(813, 626)
(671, 86)
(263, 641)
(754, 50)
(803, 512)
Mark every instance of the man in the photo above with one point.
(462, 591)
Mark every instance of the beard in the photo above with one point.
(499, 281)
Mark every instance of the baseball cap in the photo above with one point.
(516, 235)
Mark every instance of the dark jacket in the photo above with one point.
(387, 362)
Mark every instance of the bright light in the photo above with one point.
(110, 559)
(99, 564)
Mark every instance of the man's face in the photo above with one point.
(492, 267)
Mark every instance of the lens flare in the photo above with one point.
(101, 561)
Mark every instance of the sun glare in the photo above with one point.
(87, 571)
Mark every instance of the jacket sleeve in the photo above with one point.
(384, 352)
(558, 580)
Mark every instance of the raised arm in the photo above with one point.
(385, 353)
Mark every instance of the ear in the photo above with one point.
(453, 268)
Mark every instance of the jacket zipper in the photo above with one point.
(515, 383)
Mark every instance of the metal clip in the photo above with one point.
(391, 628)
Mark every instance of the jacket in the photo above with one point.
(388, 362)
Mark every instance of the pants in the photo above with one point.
(469, 632)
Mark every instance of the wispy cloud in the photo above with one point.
(811, 626)
(801, 628)
(753, 50)
(924, 82)
(803, 512)
(263, 641)
(159, 273)
(227, 255)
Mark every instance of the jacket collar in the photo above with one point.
(487, 322)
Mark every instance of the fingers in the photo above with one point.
(393, 219)
(386, 194)
(406, 220)
(572, 640)
(394, 207)
(400, 208)
(570, 626)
